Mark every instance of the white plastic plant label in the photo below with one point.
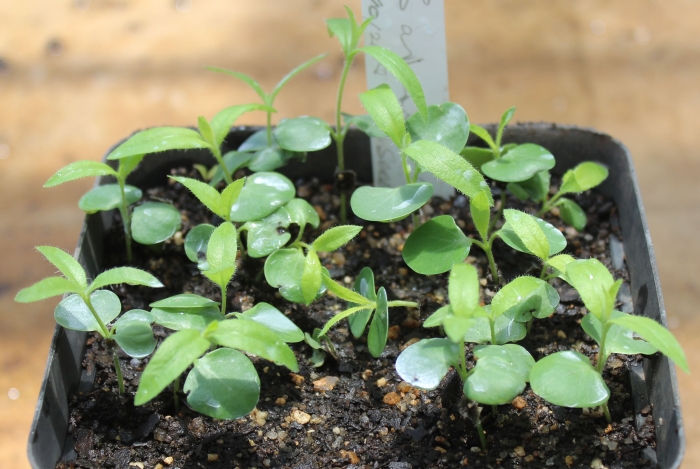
(414, 29)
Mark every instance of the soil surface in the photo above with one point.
(354, 410)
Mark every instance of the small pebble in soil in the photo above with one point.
(327, 383)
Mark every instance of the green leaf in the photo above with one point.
(224, 119)
(196, 244)
(233, 160)
(520, 163)
(364, 286)
(525, 297)
(379, 328)
(559, 263)
(107, 197)
(222, 251)
(435, 245)
(154, 222)
(592, 280)
(159, 139)
(269, 159)
(223, 384)
(268, 235)
(273, 319)
(438, 317)
(342, 29)
(173, 357)
(205, 130)
(568, 379)
(184, 301)
(463, 289)
(447, 124)
(65, 263)
(536, 188)
(365, 123)
(46, 288)
(230, 194)
(243, 77)
(303, 134)
(481, 213)
(206, 194)
(424, 364)
(302, 213)
(448, 166)
(500, 374)
(78, 170)
(572, 213)
(311, 279)
(402, 72)
(354, 298)
(262, 194)
(257, 141)
(476, 156)
(381, 103)
(657, 335)
(128, 275)
(134, 333)
(387, 204)
(586, 175)
(618, 339)
(127, 165)
(178, 319)
(524, 233)
(256, 339)
(335, 237)
(72, 312)
(283, 270)
(507, 330)
(483, 134)
(293, 73)
(506, 118)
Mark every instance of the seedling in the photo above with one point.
(364, 303)
(223, 383)
(150, 223)
(270, 148)
(88, 308)
(349, 31)
(502, 370)
(568, 378)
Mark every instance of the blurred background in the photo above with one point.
(76, 76)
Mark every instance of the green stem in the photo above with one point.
(406, 304)
(544, 271)
(269, 129)
(462, 368)
(339, 131)
(216, 151)
(602, 353)
(607, 413)
(118, 370)
(548, 204)
(499, 212)
(223, 299)
(103, 328)
(492, 325)
(124, 211)
(482, 435)
(529, 324)
(486, 247)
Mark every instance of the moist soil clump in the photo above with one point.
(354, 410)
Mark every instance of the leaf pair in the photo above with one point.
(299, 276)
(224, 383)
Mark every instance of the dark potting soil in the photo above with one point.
(354, 410)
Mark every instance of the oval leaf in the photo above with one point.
(520, 163)
(222, 251)
(435, 246)
(463, 289)
(269, 159)
(447, 124)
(387, 204)
(184, 301)
(303, 134)
(223, 384)
(273, 319)
(268, 235)
(154, 222)
(523, 232)
(335, 237)
(500, 374)
(425, 363)
(379, 328)
(618, 339)
(128, 275)
(196, 243)
(283, 270)
(46, 288)
(572, 213)
(536, 188)
(583, 177)
(107, 197)
(592, 280)
(524, 298)
(195, 318)
(568, 379)
(477, 156)
(72, 312)
(134, 333)
(262, 194)
(78, 170)
(159, 139)
(302, 213)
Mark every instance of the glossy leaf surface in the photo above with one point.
(531, 235)
(159, 139)
(78, 170)
(196, 244)
(364, 286)
(447, 124)
(520, 163)
(184, 301)
(387, 204)
(463, 289)
(302, 213)
(107, 197)
(269, 159)
(283, 270)
(507, 330)
(72, 312)
(525, 297)
(365, 123)
(134, 333)
(267, 235)
(592, 281)
(195, 318)
(303, 134)
(223, 384)
(311, 277)
(500, 374)
(262, 194)
(379, 328)
(154, 222)
(222, 251)
(425, 363)
(586, 175)
(618, 339)
(477, 156)
(273, 319)
(568, 379)
(572, 213)
(435, 245)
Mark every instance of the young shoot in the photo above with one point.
(273, 148)
(502, 370)
(88, 308)
(364, 303)
(568, 378)
(150, 223)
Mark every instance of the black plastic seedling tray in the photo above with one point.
(653, 383)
